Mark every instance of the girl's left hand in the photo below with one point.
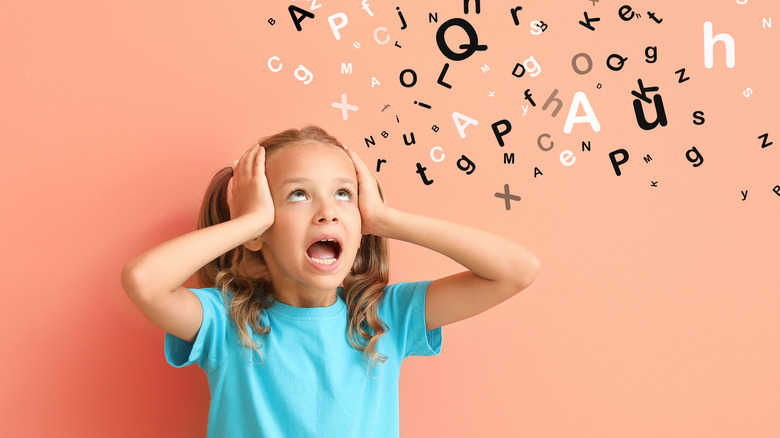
(372, 207)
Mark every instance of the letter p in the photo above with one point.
(335, 27)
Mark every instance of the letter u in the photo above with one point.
(660, 113)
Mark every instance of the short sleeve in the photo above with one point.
(212, 344)
(403, 310)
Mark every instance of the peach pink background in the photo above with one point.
(656, 313)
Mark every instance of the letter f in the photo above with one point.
(365, 5)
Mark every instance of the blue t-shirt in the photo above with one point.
(311, 382)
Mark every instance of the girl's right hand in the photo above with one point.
(250, 193)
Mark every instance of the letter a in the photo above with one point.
(297, 20)
(572, 118)
(457, 117)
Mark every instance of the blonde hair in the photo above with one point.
(242, 273)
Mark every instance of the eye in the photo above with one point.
(297, 195)
(344, 195)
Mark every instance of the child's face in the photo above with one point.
(314, 188)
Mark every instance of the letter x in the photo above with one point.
(344, 106)
(507, 196)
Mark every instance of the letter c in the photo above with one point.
(376, 38)
(539, 142)
(271, 67)
(434, 158)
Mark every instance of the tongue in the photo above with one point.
(320, 250)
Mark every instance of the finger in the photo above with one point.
(360, 166)
(243, 170)
(238, 165)
(259, 165)
(249, 163)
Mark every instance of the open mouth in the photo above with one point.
(324, 252)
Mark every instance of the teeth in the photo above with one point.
(324, 261)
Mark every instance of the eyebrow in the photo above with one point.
(306, 180)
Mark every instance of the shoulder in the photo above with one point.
(210, 294)
(399, 298)
(403, 310)
(211, 299)
(406, 289)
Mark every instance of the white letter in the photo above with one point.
(589, 116)
(376, 38)
(469, 121)
(709, 43)
(565, 155)
(434, 158)
(365, 5)
(307, 76)
(537, 26)
(334, 26)
(269, 64)
(537, 68)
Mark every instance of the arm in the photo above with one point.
(497, 267)
(153, 280)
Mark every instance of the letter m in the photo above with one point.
(346, 68)
(509, 158)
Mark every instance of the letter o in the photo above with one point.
(574, 63)
(414, 78)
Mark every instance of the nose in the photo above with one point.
(326, 213)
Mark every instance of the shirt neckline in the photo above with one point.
(309, 313)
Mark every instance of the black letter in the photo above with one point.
(470, 48)
(440, 81)
(696, 158)
(660, 113)
(297, 20)
(421, 170)
(764, 138)
(469, 167)
(500, 135)
(514, 14)
(681, 72)
(624, 11)
(588, 21)
(466, 6)
(651, 58)
(414, 78)
(616, 164)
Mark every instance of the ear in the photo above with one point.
(255, 244)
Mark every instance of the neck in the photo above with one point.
(305, 298)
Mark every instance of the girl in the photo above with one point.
(300, 334)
